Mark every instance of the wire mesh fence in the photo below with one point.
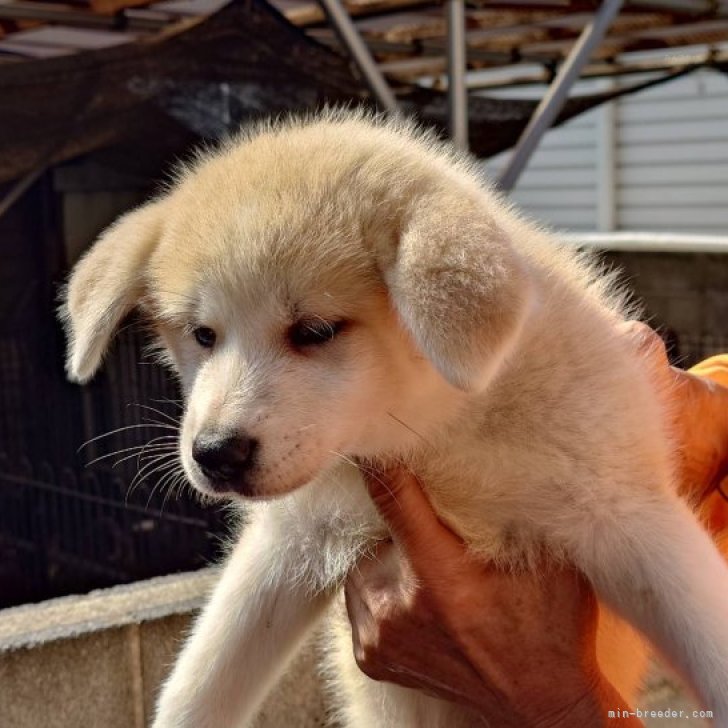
(75, 518)
(71, 521)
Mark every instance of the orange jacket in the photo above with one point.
(715, 508)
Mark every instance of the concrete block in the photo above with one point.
(70, 683)
(98, 661)
(161, 641)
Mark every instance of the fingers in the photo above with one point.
(358, 612)
(405, 509)
(372, 591)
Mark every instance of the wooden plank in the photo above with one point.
(30, 50)
(622, 66)
(309, 13)
(572, 23)
(52, 12)
(110, 7)
(684, 29)
(561, 48)
(409, 68)
(188, 8)
(402, 25)
(614, 44)
(59, 36)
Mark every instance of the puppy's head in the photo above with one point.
(325, 290)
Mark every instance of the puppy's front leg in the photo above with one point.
(652, 562)
(258, 617)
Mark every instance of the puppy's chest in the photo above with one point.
(332, 522)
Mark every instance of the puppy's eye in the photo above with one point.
(205, 337)
(314, 332)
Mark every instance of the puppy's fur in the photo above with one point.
(469, 345)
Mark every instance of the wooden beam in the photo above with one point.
(624, 67)
(53, 13)
(307, 14)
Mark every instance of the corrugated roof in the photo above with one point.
(407, 37)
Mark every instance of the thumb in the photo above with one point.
(404, 507)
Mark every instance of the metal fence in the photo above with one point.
(70, 519)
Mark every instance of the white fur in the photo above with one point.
(481, 353)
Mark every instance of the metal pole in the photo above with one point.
(360, 54)
(457, 93)
(21, 187)
(554, 99)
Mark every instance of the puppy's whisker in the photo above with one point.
(369, 470)
(140, 475)
(179, 403)
(156, 486)
(148, 423)
(166, 459)
(411, 429)
(146, 455)
(164, 415)
(161, 424)
(177, 483)
(170, 441)
(162, 469)
(168, 484)
(138, 450)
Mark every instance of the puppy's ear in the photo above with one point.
(105, 285)
(459, 287)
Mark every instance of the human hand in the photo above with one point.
(519, 649)
(698, 406)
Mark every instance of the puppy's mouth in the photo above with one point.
(248, 489)
(250, 485)
(226, 488)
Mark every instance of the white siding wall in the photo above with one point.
(559, 186)
(672, 156)
(670, 162)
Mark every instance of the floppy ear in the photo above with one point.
(105, 285)
(459, 287)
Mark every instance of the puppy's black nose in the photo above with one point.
(223, 459)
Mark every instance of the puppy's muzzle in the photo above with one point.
(224, 460)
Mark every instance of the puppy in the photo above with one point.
(344, 290)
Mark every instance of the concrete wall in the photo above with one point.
(687, 293)
(98, 660)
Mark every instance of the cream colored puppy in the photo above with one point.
(344, 290)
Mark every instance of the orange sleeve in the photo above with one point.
(715, 368)
(715, 508)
